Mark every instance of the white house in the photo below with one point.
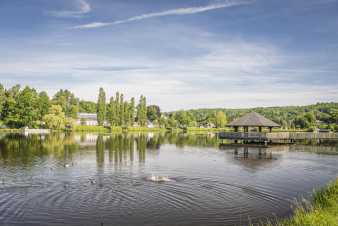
(88, 119)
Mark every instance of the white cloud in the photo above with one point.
(224, 72)
(81, 8)
(173, 12)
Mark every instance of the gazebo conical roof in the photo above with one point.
(253, 119)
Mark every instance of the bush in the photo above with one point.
(322, 212)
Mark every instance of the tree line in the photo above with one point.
(26, 107)
(309, 117)
(20, 107)
(121, 112)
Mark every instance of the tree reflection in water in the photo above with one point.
(124, 148)
(18, 149)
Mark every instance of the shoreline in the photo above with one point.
(322, 211)
(195, 130)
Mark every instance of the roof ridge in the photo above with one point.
(253, 119)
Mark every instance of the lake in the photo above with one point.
(90, 179)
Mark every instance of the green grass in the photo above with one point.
(83, 128)
(117, 129)
(322, 212)
(144, 129)
(205, 130)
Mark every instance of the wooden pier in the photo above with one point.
(255, 120)
(277, 137)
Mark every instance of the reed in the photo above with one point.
(323, 211)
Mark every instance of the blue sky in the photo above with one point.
(180, 54)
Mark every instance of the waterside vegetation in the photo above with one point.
(322, 212)
(26, 107)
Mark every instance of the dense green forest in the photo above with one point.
(20, 107)
(320, 115)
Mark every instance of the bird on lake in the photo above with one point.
(92, 181)
(159, 178)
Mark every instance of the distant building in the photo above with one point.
(88, 119)
(150, 124)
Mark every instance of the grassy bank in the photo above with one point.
(205, 130)
(98, 129)
(117, 129)
(322, 212)
(144, 129)
(10, 130)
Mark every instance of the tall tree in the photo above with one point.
(142, 111)
(117, 109)
(44, 103)
(68, 102)
(10, 114)
(121, 110)
(2, 98)
(27, 107)
(126, 114)
(111, 112)
(153, 112)
(220, 119)
(132, 111)
(101, 107)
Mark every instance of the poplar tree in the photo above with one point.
(126, 113)
(132, 111)
(121, 112)
(117, 109)
(142, 111)
(44, 103)
(111, 111)
(220, 119)
(101, 107)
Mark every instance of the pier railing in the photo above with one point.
(242, 135)
(278, 136)
(301, 136)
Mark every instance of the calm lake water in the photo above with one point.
(93, 179)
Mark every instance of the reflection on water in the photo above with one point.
(19, 149)
(89, 179)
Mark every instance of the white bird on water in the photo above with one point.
(155, 178)
(92, 181)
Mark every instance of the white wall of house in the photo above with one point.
(91, 123)
(86, 119)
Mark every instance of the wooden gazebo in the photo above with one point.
(252, 119)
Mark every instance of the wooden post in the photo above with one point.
(236, 130)
(270, 128)
(260, 129)
(246, 152)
